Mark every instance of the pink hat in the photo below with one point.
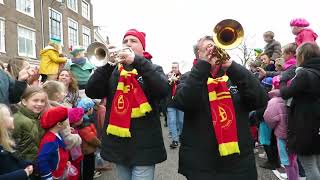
(138, 34)
(299, 22)
(276, 82)
(75, 114)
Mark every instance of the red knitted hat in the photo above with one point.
(54, 115)
(75, 114)
(140, 35)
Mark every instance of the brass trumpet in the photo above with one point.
(227, 34)
(104, 54)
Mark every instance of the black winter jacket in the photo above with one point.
(304, 111)
(199, 157)
(11, 167)
(146, 146)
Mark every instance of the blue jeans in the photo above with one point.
(135, 172)
(311, 166)
(175, 122)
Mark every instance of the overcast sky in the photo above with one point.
(173, 26)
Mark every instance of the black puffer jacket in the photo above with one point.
(199, 157)
(304, 113)
(146, 146)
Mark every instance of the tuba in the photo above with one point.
(100, 54)
(227, 34)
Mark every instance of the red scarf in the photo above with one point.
(223, 115)
(174, 85)
(129, 102)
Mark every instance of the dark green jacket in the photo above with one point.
(27, 133)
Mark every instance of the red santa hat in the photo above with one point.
(54, 115)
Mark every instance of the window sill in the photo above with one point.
(74, 10)
(29, 14)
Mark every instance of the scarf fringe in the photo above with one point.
(141, 110)
(229, 148)
(118, 131)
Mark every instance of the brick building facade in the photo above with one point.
(27, 25)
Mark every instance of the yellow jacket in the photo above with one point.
(50, 61)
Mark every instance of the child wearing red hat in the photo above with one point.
(53, 155)
(75, 116)
(303, 34)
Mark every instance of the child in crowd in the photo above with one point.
(56, 93)
(90, 141)
(53, 155)
(27, 132)
(273, 47)
(267, 139)
(75, 116)
(302, 33)
(266, 66)
(50, 60)
(276, 116)
(10, 167)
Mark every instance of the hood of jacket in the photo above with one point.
(46, 49)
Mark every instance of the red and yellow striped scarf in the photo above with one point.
(223, 116)
(128, 102)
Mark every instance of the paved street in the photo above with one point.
(168, 170)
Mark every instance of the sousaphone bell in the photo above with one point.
(227, 34)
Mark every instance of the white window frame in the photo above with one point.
(24, 12)
(77, 38)
(61, 22)
(1, 2)
(3, 34)
(88, 5)
(84, 28)
(33, 55)
(76, 3)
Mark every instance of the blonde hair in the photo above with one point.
(307, 51)
(53, 87)
(5, 140)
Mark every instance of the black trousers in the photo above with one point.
(244, 169)
(272, 151)
(88, 166)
